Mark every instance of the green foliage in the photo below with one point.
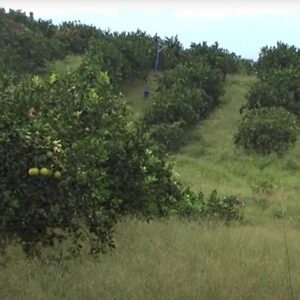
(277, 94)
(138, 51)
(192, 205)
(26, 44)
(172, 53)
(246, 66)
(281, 88)
(170, 136)
(184, 96)
(71, 164)
(76, 36)
(125, 56)
(198, 206)
(267, 130)
(73, 124)
(190, 76)
(216, 57)
(227, 208)
(281, 56)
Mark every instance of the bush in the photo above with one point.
(267, 130)
(227, 208)
(197, 206)
(169, 136)
(280, 88)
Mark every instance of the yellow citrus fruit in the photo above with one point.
(33, 172)
(44, 172)
(57, 174)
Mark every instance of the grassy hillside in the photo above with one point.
(269, 186)
(175, 259)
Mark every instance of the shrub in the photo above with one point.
(227, 208)
(280, 88)
(169, 136)
(267, 130)
(198, 206)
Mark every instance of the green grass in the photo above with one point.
(173, 259)
(134, 95)
(168, 260)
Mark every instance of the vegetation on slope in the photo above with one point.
(108, 175)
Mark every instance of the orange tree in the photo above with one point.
(184, 96)
(71, 164)
(276, 58)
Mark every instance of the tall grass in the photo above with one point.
(167, 260)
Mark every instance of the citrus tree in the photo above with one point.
(184, 96)
(267, 130)
(275, 58)
(71, 164)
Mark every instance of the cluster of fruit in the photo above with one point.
(44, 172)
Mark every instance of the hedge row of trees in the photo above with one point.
(272, 108)
(185, 95)
(27, 45)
